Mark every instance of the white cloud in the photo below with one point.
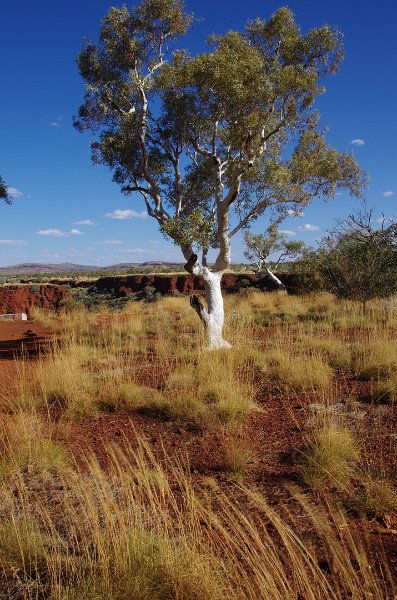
(112, 242)
(126, 214)
(132, 251)
(154, 241)
(48, 254)
(51, 233)
(58, 233)
(388, 193)
(358, 142)
(57, 122)
(14, 192)
(309, 227)
(13, 243)
(83, 222)
(295, 212)
(287, 232)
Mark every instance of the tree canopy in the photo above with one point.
(4, 195)
(261, 246)
(358, 260)
(212, 141)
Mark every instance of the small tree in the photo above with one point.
(200, 138)
(4, 195)
(260, 248)
(358, 260)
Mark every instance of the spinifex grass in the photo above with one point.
(145, 531)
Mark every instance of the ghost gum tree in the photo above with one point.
(261, 246)
(211, 142)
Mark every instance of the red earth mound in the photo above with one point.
(184, 283)
(22, 298)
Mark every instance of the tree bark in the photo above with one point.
(276, 280)
(213, 316)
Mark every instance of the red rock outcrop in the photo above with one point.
(21, 298)
(169, 284)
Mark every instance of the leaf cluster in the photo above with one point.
(4, 195)
(260, 247)
(182, 129)
(360, 264)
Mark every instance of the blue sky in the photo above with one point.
(67, 210)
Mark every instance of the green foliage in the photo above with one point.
(199, 136)
(360, 262)
(94, 298)
(149, 294)
(4, 195)
(261, 246)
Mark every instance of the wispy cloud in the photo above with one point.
(57, 233)
(309, 227)
(388, 193)
(358, 142)
(287, 232)
(14, 192)
(51, 233)
(112, 242)
(13, 243)
(48, 254)
(57, 122)
(133, 251)
(295, 212)
(83, 222)
(126, 214)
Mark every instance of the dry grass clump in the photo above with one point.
(378, 497)
(23, 552)
(137, 532)
(331, 455)
(330, 349)
(305, 373)
(237, 452)
(375, 360)
(385, 391)
(208, 392)
(26, 447)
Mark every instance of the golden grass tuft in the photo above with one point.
(331, 457)
(296, 373)
(138, 531)
(25, 447)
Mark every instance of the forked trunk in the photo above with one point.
(213, 316)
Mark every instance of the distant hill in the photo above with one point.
(73, 268)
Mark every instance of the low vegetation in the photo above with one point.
(132, 517)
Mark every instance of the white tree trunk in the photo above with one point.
(215, 312)
(276, 280)
(213, 316)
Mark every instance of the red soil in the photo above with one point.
(22, 298)
(274, 437)
(17, 338)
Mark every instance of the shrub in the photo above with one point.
(149, 294)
